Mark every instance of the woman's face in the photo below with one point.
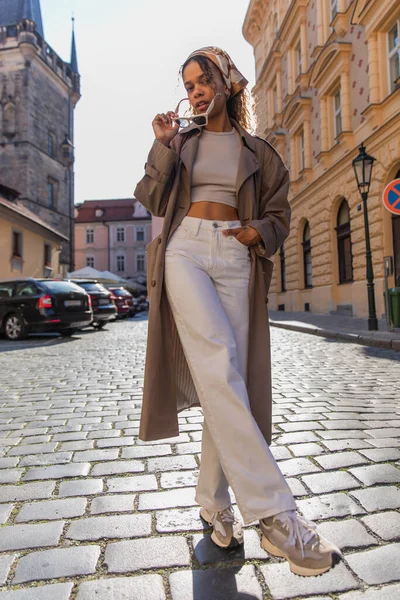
(200, 92)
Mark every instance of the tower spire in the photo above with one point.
(74, 56)
(14, 11)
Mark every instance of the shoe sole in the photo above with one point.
(296, 569)
(232, 544)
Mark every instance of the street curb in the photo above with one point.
(363, 339)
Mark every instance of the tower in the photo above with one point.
(38, 95)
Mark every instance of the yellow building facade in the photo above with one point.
(28, 246)
(327, 80)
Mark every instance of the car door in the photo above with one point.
(26, 295)
(6, 292)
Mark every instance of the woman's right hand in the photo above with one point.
(165, 129)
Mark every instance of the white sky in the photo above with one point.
(129, 55)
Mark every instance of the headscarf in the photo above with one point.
(233, 78)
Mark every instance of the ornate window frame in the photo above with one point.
(297, 121)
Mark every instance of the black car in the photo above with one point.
(40, 305)
(103, 306)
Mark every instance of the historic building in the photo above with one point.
(111, 235)
(327, 79)
(38, 94)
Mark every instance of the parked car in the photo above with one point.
(39, 305)
(103, 306)
(123, 301)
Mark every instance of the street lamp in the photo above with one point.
(67, 158)
(362, 165)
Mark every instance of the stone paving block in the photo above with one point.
(208, 553)
(385, 442)
(389, 592)
(386, 432)
(235, 583)
(386, 525)
(343, 434)
(58, 562)
(171, 463)
(53, 458)
(336, 445)
(121, 526)
(340, 460)
(378, 498)
(296, 487)
(10, 475)
(190, 448)
(146, 451)
(115, 442)
(196, 436)
(183, 437)
(346, 534)
(57, 591)
(100, 435)
(27, 432)
(180, 519)
(5, 512)
(19, 537)
(49, 510)
(147, 553)
(280, 452)
(297, 466)
(377, 474)
(5, 564)
(117, 503)
(170, 499)
(301, 426)
(377, 566)
(141, 587)
(77, 445)
(117, 467)
(81, 487)
(29, 491)
(347, 424)
(138, 483)
(381, 454)
(329, 506)
(6, 463)
(311, 449)
(298, 437)
(284, 584)
(321, 483)
(175, 479)
(96, 455)
(9, 441)
(69, 437)
(32, 449)
(57, 472)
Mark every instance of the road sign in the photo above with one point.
(391, 197)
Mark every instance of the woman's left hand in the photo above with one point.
(247, 235)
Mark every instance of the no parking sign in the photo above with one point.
(391, 197)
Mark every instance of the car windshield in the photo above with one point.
(91, 286)
(121, 292)
(61, 286)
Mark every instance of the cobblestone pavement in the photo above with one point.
(87, 511)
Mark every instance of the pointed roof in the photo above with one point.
(13, 11)
(74, 55)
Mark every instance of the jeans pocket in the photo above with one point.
(242, 246)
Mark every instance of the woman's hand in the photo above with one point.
(247, 235)
(165, 129)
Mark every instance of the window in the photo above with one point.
(302, 156)
(140, 262)
(50, 194)
(6, 290)
(334, 8)
(307, 256)
(120, 234)
(394, 55)
(337, 104)
(17, 244)
(26, 289)
(51, 144)
(47, 255)
(90, 261)
(298, 56)
(120, 263)
(89, 236)
(140, 234)
(283, 268)
(344, 243)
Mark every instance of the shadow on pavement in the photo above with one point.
(37, 341)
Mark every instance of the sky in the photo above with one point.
(129, 55)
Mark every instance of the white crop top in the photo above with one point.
(215, 168)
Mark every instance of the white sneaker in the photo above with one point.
(227, 530)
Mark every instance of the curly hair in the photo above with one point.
(240, 107)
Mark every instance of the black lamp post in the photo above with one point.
(67, 157)
(362, 165)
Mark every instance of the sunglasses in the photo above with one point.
(197, 119)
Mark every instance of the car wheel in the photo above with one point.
(67, 332)
(14, 327)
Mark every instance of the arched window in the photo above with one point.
(9, 121)
(283, 268)
(307, 256)
(343, 234)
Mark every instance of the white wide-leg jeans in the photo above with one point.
(206, 279)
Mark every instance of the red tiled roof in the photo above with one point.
(123, 209)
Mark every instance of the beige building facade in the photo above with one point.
(327, 80)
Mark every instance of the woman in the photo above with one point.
(223, 195)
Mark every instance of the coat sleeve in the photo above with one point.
(274, 222)
(153, 190)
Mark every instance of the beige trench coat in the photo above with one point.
(262, 189)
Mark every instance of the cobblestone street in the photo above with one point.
(88, 511)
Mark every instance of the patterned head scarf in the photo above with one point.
(233, 78)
